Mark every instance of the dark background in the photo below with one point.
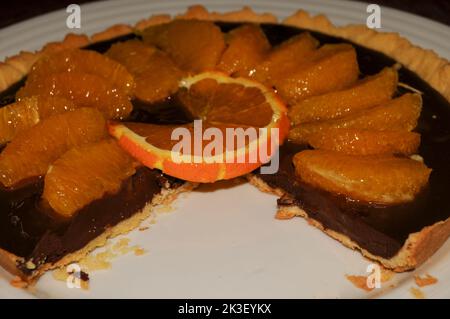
(12, 11)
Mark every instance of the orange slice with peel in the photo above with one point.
(223, 104)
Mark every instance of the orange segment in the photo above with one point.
(159, 80)
(83, 61)
(193, 44)
(366, 142)
(22, 115)
(247, 47)
(156, 75)
(222, 103)
(32, 151)
(132, 54)
(83, 89)
(368, 92)
(160, 136)
(283, 58)
(86, 173)
(230, 102)
(376, 179)
(400, 114)
(332, 67)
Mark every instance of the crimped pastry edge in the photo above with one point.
(416, 250)
(425, 63)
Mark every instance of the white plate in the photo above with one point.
(223, 241)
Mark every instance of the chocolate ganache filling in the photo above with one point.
(27, 231)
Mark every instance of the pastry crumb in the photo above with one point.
(17, 282)
(143, 228)
(359, 282)
(164, 209)
(427, 280)
(138, 251)
(99, 261)
(85, 285)
(122, 246)
(386, 274)
(61, 274)
(284, 215)
(417, 293)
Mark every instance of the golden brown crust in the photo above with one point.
(8, 75)
(9, 261)
(417, 248)
(425, 63)
(71, 41)
(17, 66)
(22, 62)
(246, 14)
(112, 32)
(152, 20)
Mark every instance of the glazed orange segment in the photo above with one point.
(86, 173)
(31, 152)
(284, 57)
(374, 179)
(365, 142)
(368, 92)
(132, 54)
(230, 103)
(400, 114)
(83, 61)
(22, 115)
(247, 47)
(193, 44)
(332, 67)
(255, 117)
(159, 80)
(156, 75)
(86, 90)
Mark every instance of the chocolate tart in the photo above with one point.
(31, 244)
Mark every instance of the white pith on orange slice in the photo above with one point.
(220, 102)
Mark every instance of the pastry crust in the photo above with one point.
(426, 63)
(416, 250)
(9, 261)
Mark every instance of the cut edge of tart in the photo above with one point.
(10, 261)
(415, 251)
(426, 63)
